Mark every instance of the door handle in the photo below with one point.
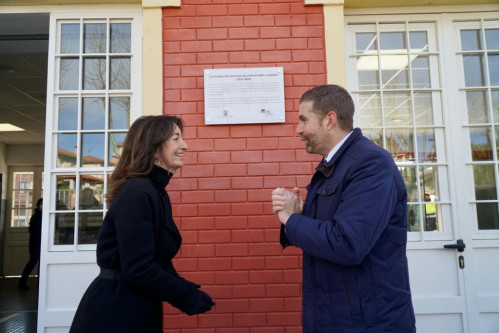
(459, 246)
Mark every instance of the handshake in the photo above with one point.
(285, 203)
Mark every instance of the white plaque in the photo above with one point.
(244, 95)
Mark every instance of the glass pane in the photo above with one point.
(68, 74)
(92, 191)
(92, 151)
(421, 72)
(428, 177)
(65, 192)
(418, 41)
(413, 218)
(94, 38)
(365, 42)
(473, 70)
(425, 139)
(119, 112)
(481, 144)
(20, 217)
(64, 228)
(471, 40)
(121, 38)
(477, 107)
(22, 199)
(395, 71)
(367, 71)
(397, 109)
(94, 114)
(370, 110)
(94, 74)
(68, 113)
(70, 38)
(485, 182)
(374, 135)
(487, 215)
(492, 39)
(116, 141)
(494, 69)
(495, 105)
(66, 150)
(432, 217)
(393, 41)
(23, 180)
(411, 184)
(497, 142)
(423, 109)
(88, 227)
(399, 142)
(120, 73)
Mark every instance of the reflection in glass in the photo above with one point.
(428, 177)
(418, 41)
(397, 109)
(494, 69)
(116, 141)
(425, 139)
(66, 150)
(64, 228)
(370, 110)
(492, 39)
(409, 175)
(413, 218)
(485, 182)
(471, 40)
(119, 73)
(423, 108)
(22, 199)
(92, 191)
(395, 71)
(392, 41)
(495, 105)
(119, 112)
(481, 144)
(68, 113)
(68, 74)
(487, 215)
(65, 192)
(367, 71)
(121, 38)
(497, 142)
(88, 227)
(421, 72)
(477, 107)
(21, 217)
(94, 115)
(70, 38)
(399, 142)
(92, 151)
(94, 38)
(94, 73)
(473, 70)
(365, 42)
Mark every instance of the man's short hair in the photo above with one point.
(334, 98)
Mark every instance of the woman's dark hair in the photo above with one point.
(144, 139)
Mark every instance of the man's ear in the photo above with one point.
(331, 119)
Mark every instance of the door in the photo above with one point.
(410, 77)
(24, 188)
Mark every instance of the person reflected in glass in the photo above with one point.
(35, 236)
(138, 239)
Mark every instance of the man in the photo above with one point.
(35, 236)
(352, 227)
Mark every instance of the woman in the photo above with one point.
(138, 238)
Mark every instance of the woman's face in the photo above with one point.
(171, 156)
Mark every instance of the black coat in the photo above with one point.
(35, 232)
(138, 239)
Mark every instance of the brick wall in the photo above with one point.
(221, 197)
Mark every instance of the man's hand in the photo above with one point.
(285, 203)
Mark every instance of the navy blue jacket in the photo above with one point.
(353, 233)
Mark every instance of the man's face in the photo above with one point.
(312, 130)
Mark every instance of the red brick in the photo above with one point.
(267, 305)
(197, 250)
(293, 276)
(268, 330)
(259, 21)
(212, 57)
(231, 250)
(310, 80)
(184, 210)
(303, 168)
(181, 82)
(175, 197)
(197, 196)
(197, 171)
(219, 291)
(275, 56)
(171, 47)
(179, 34)
(213, 132)
(263, 169)
(231, 196)
(233, 330)
(307, 31)
(230, 144)
(214, 236)
(172, 95)
(233, 277)
(213, 158)
(171, 22)
(186, 10)
(214, 183)
(281, 262)
(262, 143)
(291, 44)
(282, 290)
(228, 45)
(279, 156)
(247, 236)
(231, 222)
(230, 170)
(202, 278)
(214, 209)
(292, 304)
(250, 263)
(291, 143)
(267, 249)
(213, 33)
(245, 156)
(180, 321)
(171, 71)
(200, 144)
(266, 276)
(252, 290)
(215, 320)
(275, 32)
(183, 184)
(278, 130)
(300, 8)
(211, 10)
(195, 22)
(315, 43)
(245, 131)
(283, 318)
(232, 306)
(215, 264)
(186, 264)
(271, 235)
(247, 182)
(196, 46)
(194, 70)
(317, 67)
(290, 20)
(247, 9)
(243, 33)
(228, 21)
(263, 222)
(310, 55)
(259, 44)
(189, 237)
(249, 319)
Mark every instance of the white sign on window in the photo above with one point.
(244, 95)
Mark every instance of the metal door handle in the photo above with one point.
(459, 246)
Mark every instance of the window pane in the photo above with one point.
(68, 113)
(367, 72)
(413, 218)
(20, 217)
(392, 41)
(395, 71)
(485, 182)
(92, 191)
(94, 38)
(365, 42)
(492, 39)
(495, 105)
(116, 141)
(64, 228)
(428, 177)
(471, 40)
(477, 107)
(120, 73)
(481, 144)
(92, 151)
(487, 215)
(88, 227)
(119, 112)
(497, 142)
(494, 69)
(399, 143)
(22, 199)
(94, 73)
(473, 70)
(411, 184)
(426, 145)
(423, 109)
(65, 192)
(397, 109)
(68, 74)
(94, 115)
(421, 72)
(418, 41)
(370, 110)
(66, 150)
(70, 38)
(120, 38)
